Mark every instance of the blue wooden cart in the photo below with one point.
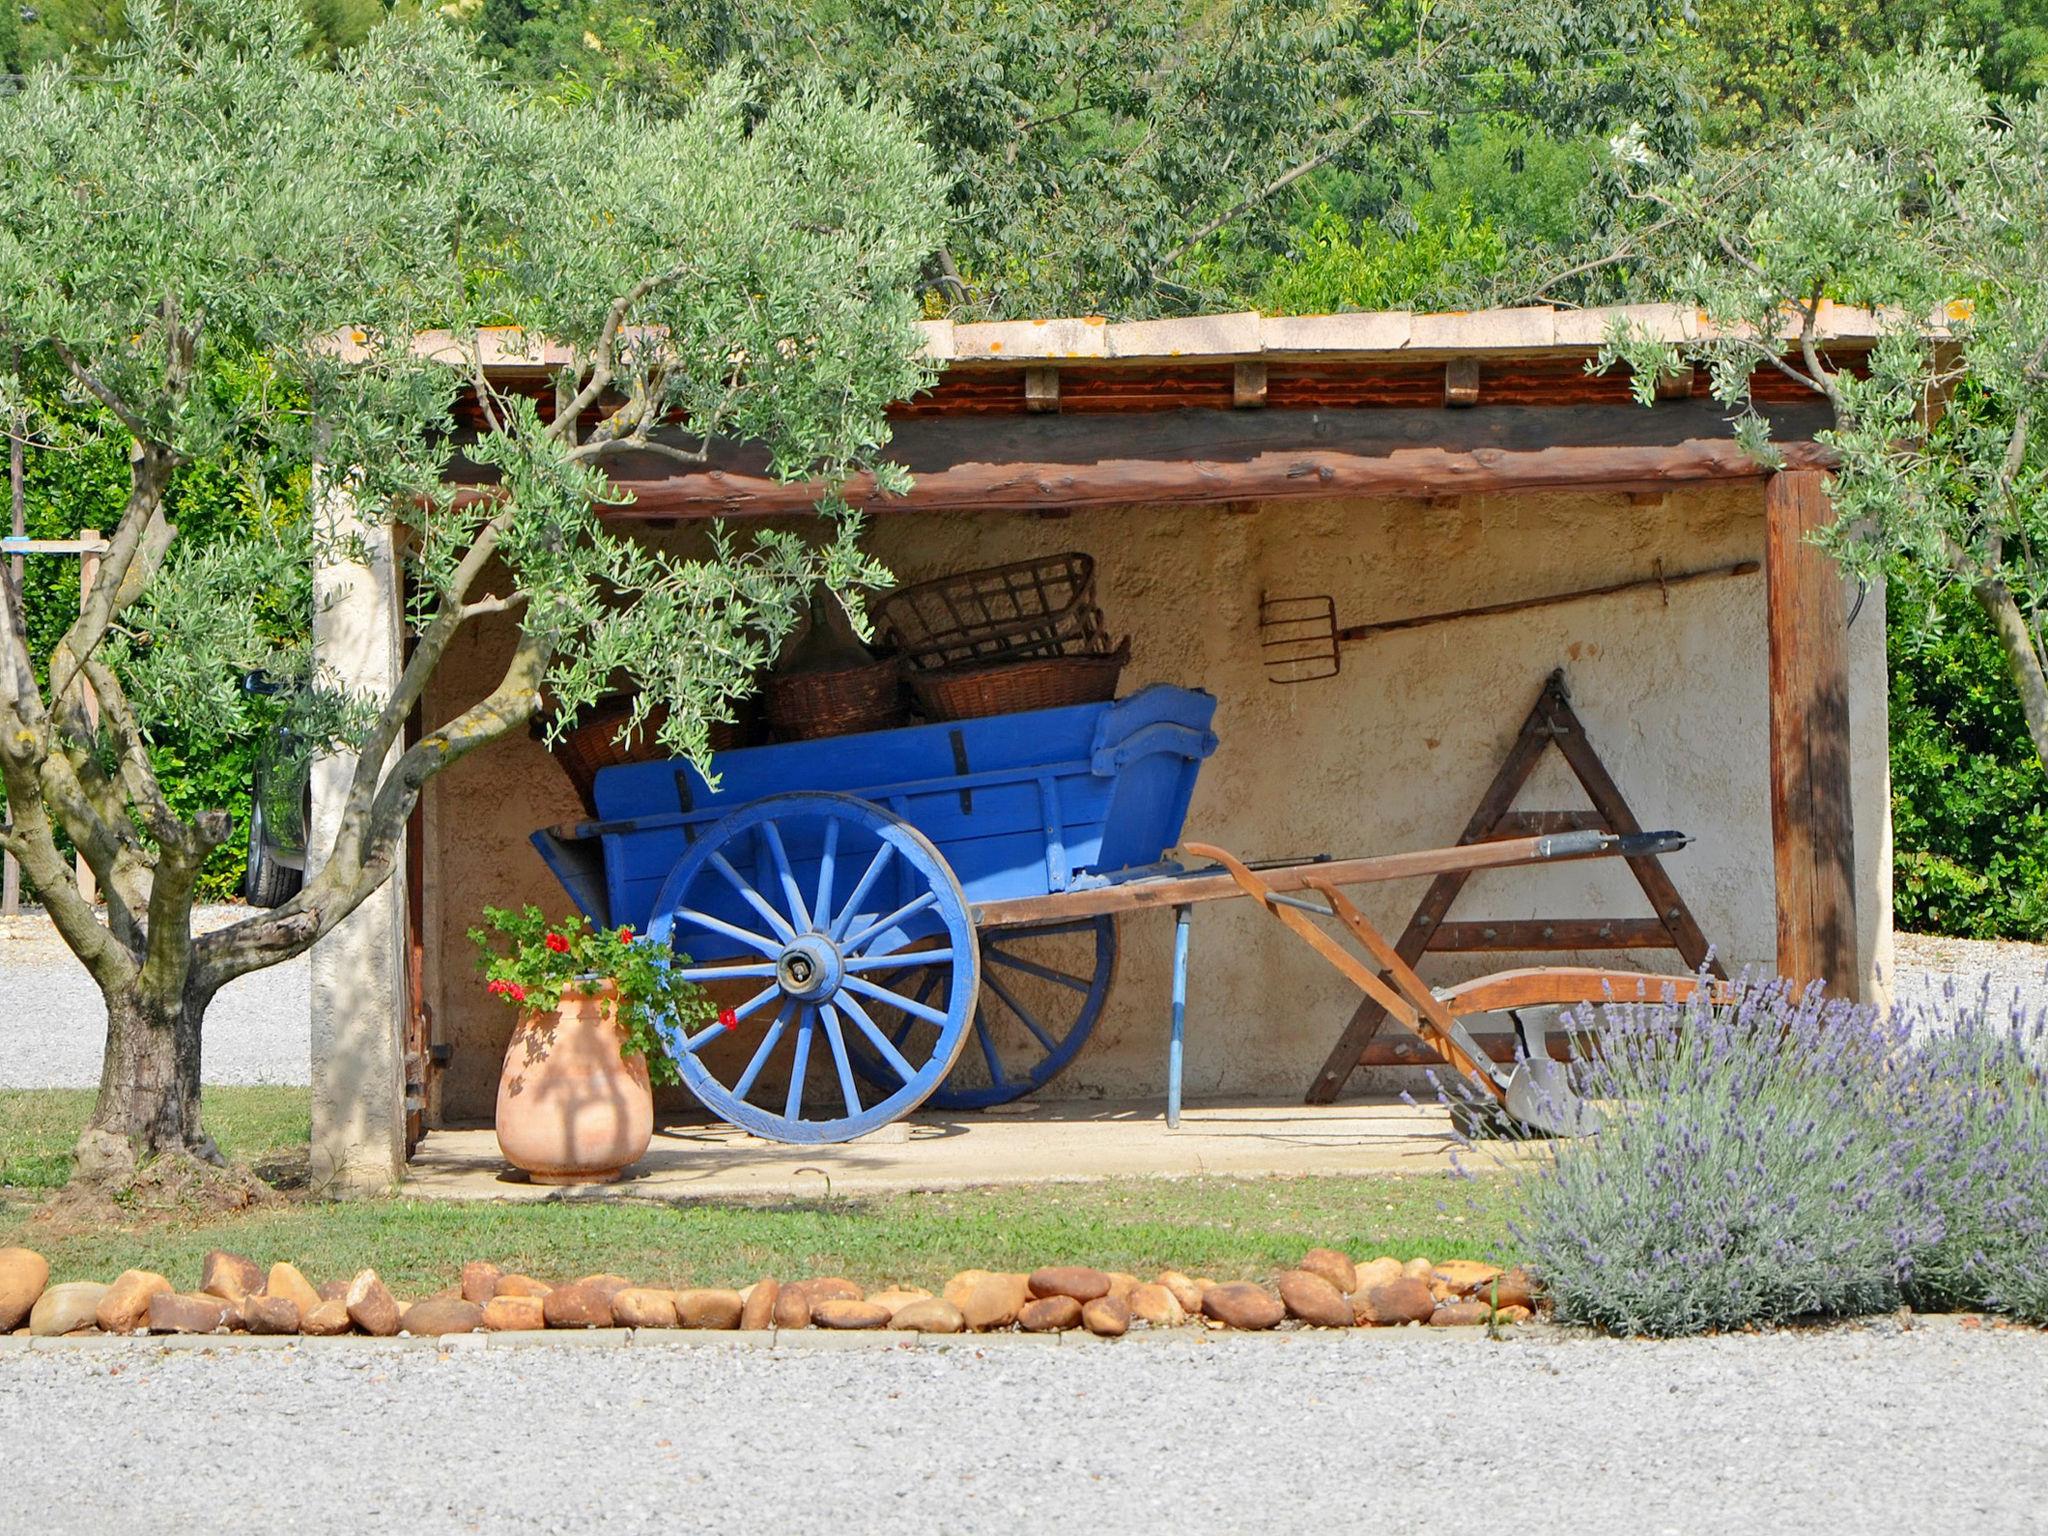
(831, 892)
(861, 905)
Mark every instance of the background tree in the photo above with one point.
(1923, 200)
(221, 210)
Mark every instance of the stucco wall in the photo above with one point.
(1392, 754)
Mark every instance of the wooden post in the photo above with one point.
(1812, 834)
(88, 573)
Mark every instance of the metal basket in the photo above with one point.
(1046, 682)
(1029, 608)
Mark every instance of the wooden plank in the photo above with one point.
(1195, 456)
(1812, 831)
(1544, 933)
(1172, 891)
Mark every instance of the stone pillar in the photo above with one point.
(358, 970)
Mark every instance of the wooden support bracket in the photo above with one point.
(1042, 390)
(1461, 382)
(1248, 386)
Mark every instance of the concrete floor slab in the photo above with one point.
(1032, 1143)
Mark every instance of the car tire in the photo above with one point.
(267, 882)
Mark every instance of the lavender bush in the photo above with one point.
(1785, 1157)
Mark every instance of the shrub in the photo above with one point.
(1785, 1157)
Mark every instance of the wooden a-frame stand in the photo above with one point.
(1552, 721)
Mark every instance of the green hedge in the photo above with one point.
(1969, 799)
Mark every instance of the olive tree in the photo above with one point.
(1925, 201)
(211, 208)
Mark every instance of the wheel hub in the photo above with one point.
(809, 968)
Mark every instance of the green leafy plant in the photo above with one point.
(545, 960)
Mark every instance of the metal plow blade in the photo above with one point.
(1540, 1098)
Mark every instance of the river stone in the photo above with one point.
(24, 1274)
(1313, 1299)
(1106, 1317)
(270, 1314)
(1073, 1280)
(1333, 1266)
(579, 1304)
(286, 1281)
(66, 1308)
(897, 1297)
(1418, 1269)
(1049, 1314)
(187, 1314)
(1121, 1284)
(480, 1281)
(327, 1319)
(1513, 1315)
(522, 1285)
(1517, 1289)
(371, 1306)
(1406, 1300)
(962, 1285)
(443, 1315)
(125, 1307)
(1184, 1290)
(994, 1302)
(828, 1288)
(610, 1285)
(709, 1307)
(792, 1308)
(334, 1290)
(1154, 1304)
(514, 1314)
(1375, 1272)
(757, 1311)
(229, 1276)
(640, 1306)
(838, 1312)
(1465, 1277)
(1460, 1314)
(1243, 1305)
(933, 1315)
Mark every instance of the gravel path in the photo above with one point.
(1852, 1430)
(53, 1029)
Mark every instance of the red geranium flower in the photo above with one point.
(558, 944)
(728, 1019)
(626, 934)
(510, 989)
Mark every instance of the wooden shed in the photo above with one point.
(1719, 678)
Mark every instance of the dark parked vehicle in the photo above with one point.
(280, 805)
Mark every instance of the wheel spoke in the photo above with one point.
(763, 1051)
(868, 1027)
(839, 1059)
(988, 1049)
(883, 924)
(1033, 968)
(867, 988)
(822, 907)
(704, 920)
(753, 1004)
(894, 957)
(799, 1068)
(726, 972)
(787, 876)
(995, 985)
(861, 889)
(777, 923)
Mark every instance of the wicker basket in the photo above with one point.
(840, 702)
(592, 742)
(1046, 682)
(1043, 607)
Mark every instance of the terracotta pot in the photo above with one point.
(571, 1109)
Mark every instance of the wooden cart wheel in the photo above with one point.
(800, 907)
(1042, 989)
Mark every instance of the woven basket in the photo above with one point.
(803, 706)
(1042, 607)
(1047, 682)
(592, 742)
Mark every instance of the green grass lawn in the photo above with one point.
(1227, 1228)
